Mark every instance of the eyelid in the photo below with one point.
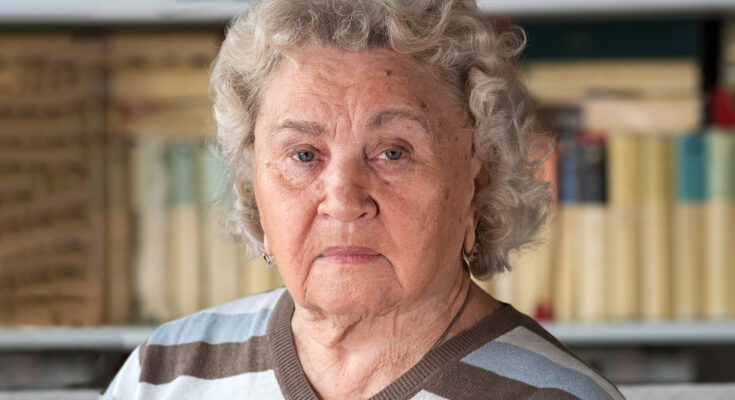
(382, 155)
(392, 145)
(293, 151)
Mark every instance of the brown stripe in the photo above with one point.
(465, 381)
(534, 326)
(289, 374)
(435, 364)
(162, 364)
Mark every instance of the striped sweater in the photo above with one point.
(244, 350)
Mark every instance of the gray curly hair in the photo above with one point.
(451, 34)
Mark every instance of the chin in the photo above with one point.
(351, 298)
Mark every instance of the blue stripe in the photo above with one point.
(533, 369)
(107, 396)
(212, 328)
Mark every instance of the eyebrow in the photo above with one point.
(389, 114)
(375, 122)
(308, 127)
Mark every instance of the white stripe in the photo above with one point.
(249, 304)
(524, 338)
(424, 395)
(251, 385)
(126, 380)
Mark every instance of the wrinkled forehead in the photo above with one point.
(335, 64)
(334, 75)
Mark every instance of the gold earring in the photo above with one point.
(469, 258)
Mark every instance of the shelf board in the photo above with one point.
(126, 338)
(218, 11)
(644, 333)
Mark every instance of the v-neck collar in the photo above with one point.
(295, 386)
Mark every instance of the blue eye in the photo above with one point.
(305, 156)
(393, 154)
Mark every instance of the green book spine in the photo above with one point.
(184, 249)
(688, 225)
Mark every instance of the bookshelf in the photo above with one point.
(185, 122)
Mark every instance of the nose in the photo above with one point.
(347, 196)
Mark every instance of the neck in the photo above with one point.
(355, 356)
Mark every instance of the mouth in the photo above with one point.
(349, 255)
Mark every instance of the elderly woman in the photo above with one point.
(379, 155)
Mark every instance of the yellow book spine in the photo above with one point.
(591, 275)
(688, 256)
(222, 268)
(655, 228)
(720, 253)
(566, 264)
(184, 272)
(622, 226)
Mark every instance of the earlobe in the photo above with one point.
(267, 255)
(469, 239)
(266, 245)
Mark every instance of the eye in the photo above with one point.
(392, 154)
(305, 156)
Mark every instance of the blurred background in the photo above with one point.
(111, 197)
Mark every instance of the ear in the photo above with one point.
(476, 173)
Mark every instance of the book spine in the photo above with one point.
(591, 271)
(118, 279)
(655, 192)
(221, 269)
(688, 230)
(564, 293)
(151, 260)
(720, 225)
(622, 248)
(184, 271)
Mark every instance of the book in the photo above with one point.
(635, 113)
(159, 83)
(565, 296)
(221, 261)
(572, 81)
(184, 272)
(52, 208)
(655, 192)
(719, 273)
(150, 176)
(565, 122)
(688, 228)
(623, 226)
(591, 282)
(118, 300)
(609, 39)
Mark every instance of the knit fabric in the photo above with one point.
(244, 350)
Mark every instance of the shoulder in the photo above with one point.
(236, 321)
(527, 356)
(217, 350)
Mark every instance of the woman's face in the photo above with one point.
(364, 179)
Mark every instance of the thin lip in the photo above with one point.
(348, 251)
